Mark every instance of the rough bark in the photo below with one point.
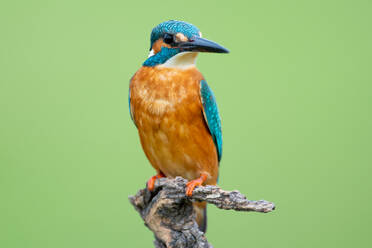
(168, 212)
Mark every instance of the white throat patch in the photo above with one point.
(151, 53)
(182, 60)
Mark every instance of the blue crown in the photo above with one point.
(173, 27)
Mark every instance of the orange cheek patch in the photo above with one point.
(158, 45)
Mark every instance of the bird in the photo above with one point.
(175, 110)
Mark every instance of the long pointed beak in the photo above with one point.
(197, 44)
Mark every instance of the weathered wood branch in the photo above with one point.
(168, 212)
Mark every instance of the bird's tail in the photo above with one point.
(200, 209)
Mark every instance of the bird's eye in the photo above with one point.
(168, 38)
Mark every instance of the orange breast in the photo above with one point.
(167, 110)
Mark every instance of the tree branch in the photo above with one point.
(168, 212)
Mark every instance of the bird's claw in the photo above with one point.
(190, 186)
(151, 181)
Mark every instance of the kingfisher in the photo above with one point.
(175, 110)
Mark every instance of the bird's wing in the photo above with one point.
(211, 115)
(130, 109)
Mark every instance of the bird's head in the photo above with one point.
(176, 44)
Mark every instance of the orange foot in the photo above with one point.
(151, 181)
(190, 186)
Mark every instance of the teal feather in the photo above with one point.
(212, 116)
(173, 27)
(162, 56)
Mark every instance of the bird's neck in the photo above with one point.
(171, 58)
(183, 60)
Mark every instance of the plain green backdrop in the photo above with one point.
(294, 94)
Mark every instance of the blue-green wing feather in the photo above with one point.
(211, 115)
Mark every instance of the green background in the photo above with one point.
(294, 94)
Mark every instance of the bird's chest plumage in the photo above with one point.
(161, 92)
(167, 110)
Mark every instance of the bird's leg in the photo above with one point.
(151, 181)
(190, 186)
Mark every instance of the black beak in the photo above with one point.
(197, 44)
